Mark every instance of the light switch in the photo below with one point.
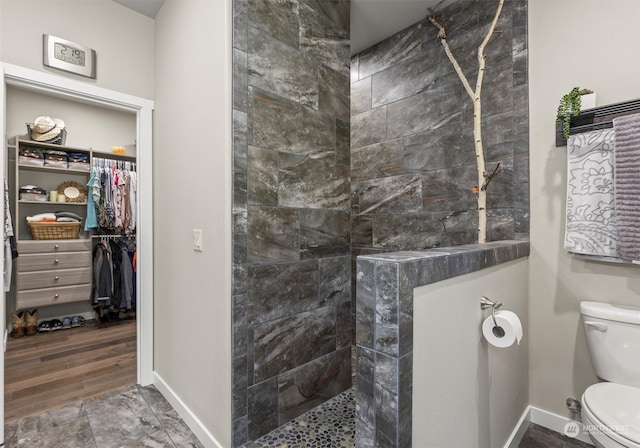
(197, 240)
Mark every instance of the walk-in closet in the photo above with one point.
(71, 251)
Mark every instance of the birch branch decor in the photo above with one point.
(483, 176)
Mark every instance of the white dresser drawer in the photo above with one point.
(53, 246)
(62, 260)
(53, 278)
(52, 296)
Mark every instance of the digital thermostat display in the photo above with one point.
(68, 56)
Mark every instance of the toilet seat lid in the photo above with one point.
(617, 406)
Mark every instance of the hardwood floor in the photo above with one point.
(53, 369)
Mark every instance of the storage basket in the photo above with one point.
(56, 139)
(54, 230)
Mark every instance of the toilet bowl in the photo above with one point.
(611, 415)
(611, 409)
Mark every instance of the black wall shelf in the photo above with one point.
(600, 117)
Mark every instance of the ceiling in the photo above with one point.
(371, 20)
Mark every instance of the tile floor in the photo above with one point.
(139, 417)
(131, 417)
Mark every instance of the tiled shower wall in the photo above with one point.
(412, 158)
(292, 326)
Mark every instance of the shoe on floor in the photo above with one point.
(17, 323)
(66, 323)
(76, 321)
(45, 325)
(56, 324)
(31, 322)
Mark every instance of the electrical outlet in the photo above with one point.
(197, 240)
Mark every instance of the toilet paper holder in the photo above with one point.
(486, 303)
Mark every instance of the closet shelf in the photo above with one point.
(600, 117)
(22, 201)
(53, 169)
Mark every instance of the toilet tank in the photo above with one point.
(613, 336)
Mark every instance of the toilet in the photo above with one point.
(611, 409)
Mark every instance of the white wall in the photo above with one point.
(465, 392)
(586, 43)
(123, 39)
(192, 190)
(88, 126)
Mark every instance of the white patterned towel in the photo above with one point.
(591, 220)
(627, 168)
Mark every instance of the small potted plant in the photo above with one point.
(571, 104)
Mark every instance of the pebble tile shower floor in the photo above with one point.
(330, 425)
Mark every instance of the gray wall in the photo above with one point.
(412, 157)
(292, 284)
(467, 393)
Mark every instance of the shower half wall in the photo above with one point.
(292, 324)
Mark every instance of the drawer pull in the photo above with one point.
(57, 261)
(57, 278)
(55, 296)
(57, 246)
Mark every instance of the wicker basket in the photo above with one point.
(54, 230)
(58, 139)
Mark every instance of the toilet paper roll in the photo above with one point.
(511, 325)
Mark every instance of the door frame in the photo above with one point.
(71, 89)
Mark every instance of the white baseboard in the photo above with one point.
(196, 426)
(518, 432)
(556, 423)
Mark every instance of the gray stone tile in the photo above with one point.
(240, 219)
(281, 69)
(239, 249)
(279, 290)
(262, 176)
(500, 189)
(336, 10)
(67, 426)
(377, 160)
(355, 65)
(239, 392)
(405, 407)
(450, 189)
(240, 431)
(333, 93)
(279, 18)
(286, 343)
(361, 231)
(239, 279)
(399, 47)
(344, 325)
(239, 325)
(324, 40)
(500, 224)
(387, 309)
(397, 194)
(313, 383)
(239, 189)
(239, 141)
(159, 439)
(361, 96)
(497, 95)
(364, 394)
(263, 408)
(386, 397)
(521, 109)
(120, 417)
(411, 77)
(312, 183)
(428, 110)
(369, 127)
(365, 304)
(324, 233)
(11, 435)
(240, 85)
(273, 235)
(334, 285)
(240, 24)
(343, 142)
(444, 147)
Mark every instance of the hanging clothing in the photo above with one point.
(10, 245)
(91, 221)
(114, 191)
